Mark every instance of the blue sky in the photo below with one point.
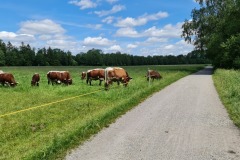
(137, 27)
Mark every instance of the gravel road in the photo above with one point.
(184, 121)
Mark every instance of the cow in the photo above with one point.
(116, 74)
(65, 77)
(35, 80)
(152, 74)
(95, 74)
(59, 77)
(7, 78)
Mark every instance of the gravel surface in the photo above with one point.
(184, 121)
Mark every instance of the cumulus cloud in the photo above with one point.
(168, 31)
(10, 36)
(96, 41)
(115, 48)
(115, 9)
(45, 26)
(127, 32)
(142, 20)
(151, 40)
(131, 46)
(83, 4)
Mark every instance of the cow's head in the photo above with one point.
(33, 83)
(126, 80)
(70, 81)
(13, 84)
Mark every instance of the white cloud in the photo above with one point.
(10, 36)
(168, 31)
(131, 46)
(94, 26)
(96, 41)
(115, 9)
(84, 4)
(108, 19)
(115, 48)
(111, 1)
(142, 20)
(168, 47)
(155, 40)
(127, 32)
(45, 26)
(61, 44)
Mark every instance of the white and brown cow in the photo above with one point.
(116, 74)
(152, 74)
(7, 78)
(95, 74)
(59, 77)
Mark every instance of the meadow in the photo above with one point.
(49, 131)
(227, 83)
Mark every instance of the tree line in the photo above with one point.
(25, 55)
(215, 31)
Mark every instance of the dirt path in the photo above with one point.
(185, 121)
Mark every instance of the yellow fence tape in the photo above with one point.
(47, 104)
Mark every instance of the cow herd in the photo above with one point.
(108, 75)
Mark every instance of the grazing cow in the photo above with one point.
(153, 75)
(7, 78)
(95, 74)
(65, 77)
(116, 74)
(35, 79)
(59, 77)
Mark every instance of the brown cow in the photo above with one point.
(95, 74)
(7, 78)
(116, 74)
(35, 79)
(153, 75)
(65, 77)
(59, 77)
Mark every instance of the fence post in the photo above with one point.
(148, 77)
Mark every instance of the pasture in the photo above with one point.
(47, 132)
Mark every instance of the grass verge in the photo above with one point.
(227, 83)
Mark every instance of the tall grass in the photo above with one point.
(227, 83)
(49, 131)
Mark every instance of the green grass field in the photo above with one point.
(49, 131)
(227, 83)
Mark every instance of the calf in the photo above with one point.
(35, 79)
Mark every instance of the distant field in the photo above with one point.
(227, 83)
(49, 131)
